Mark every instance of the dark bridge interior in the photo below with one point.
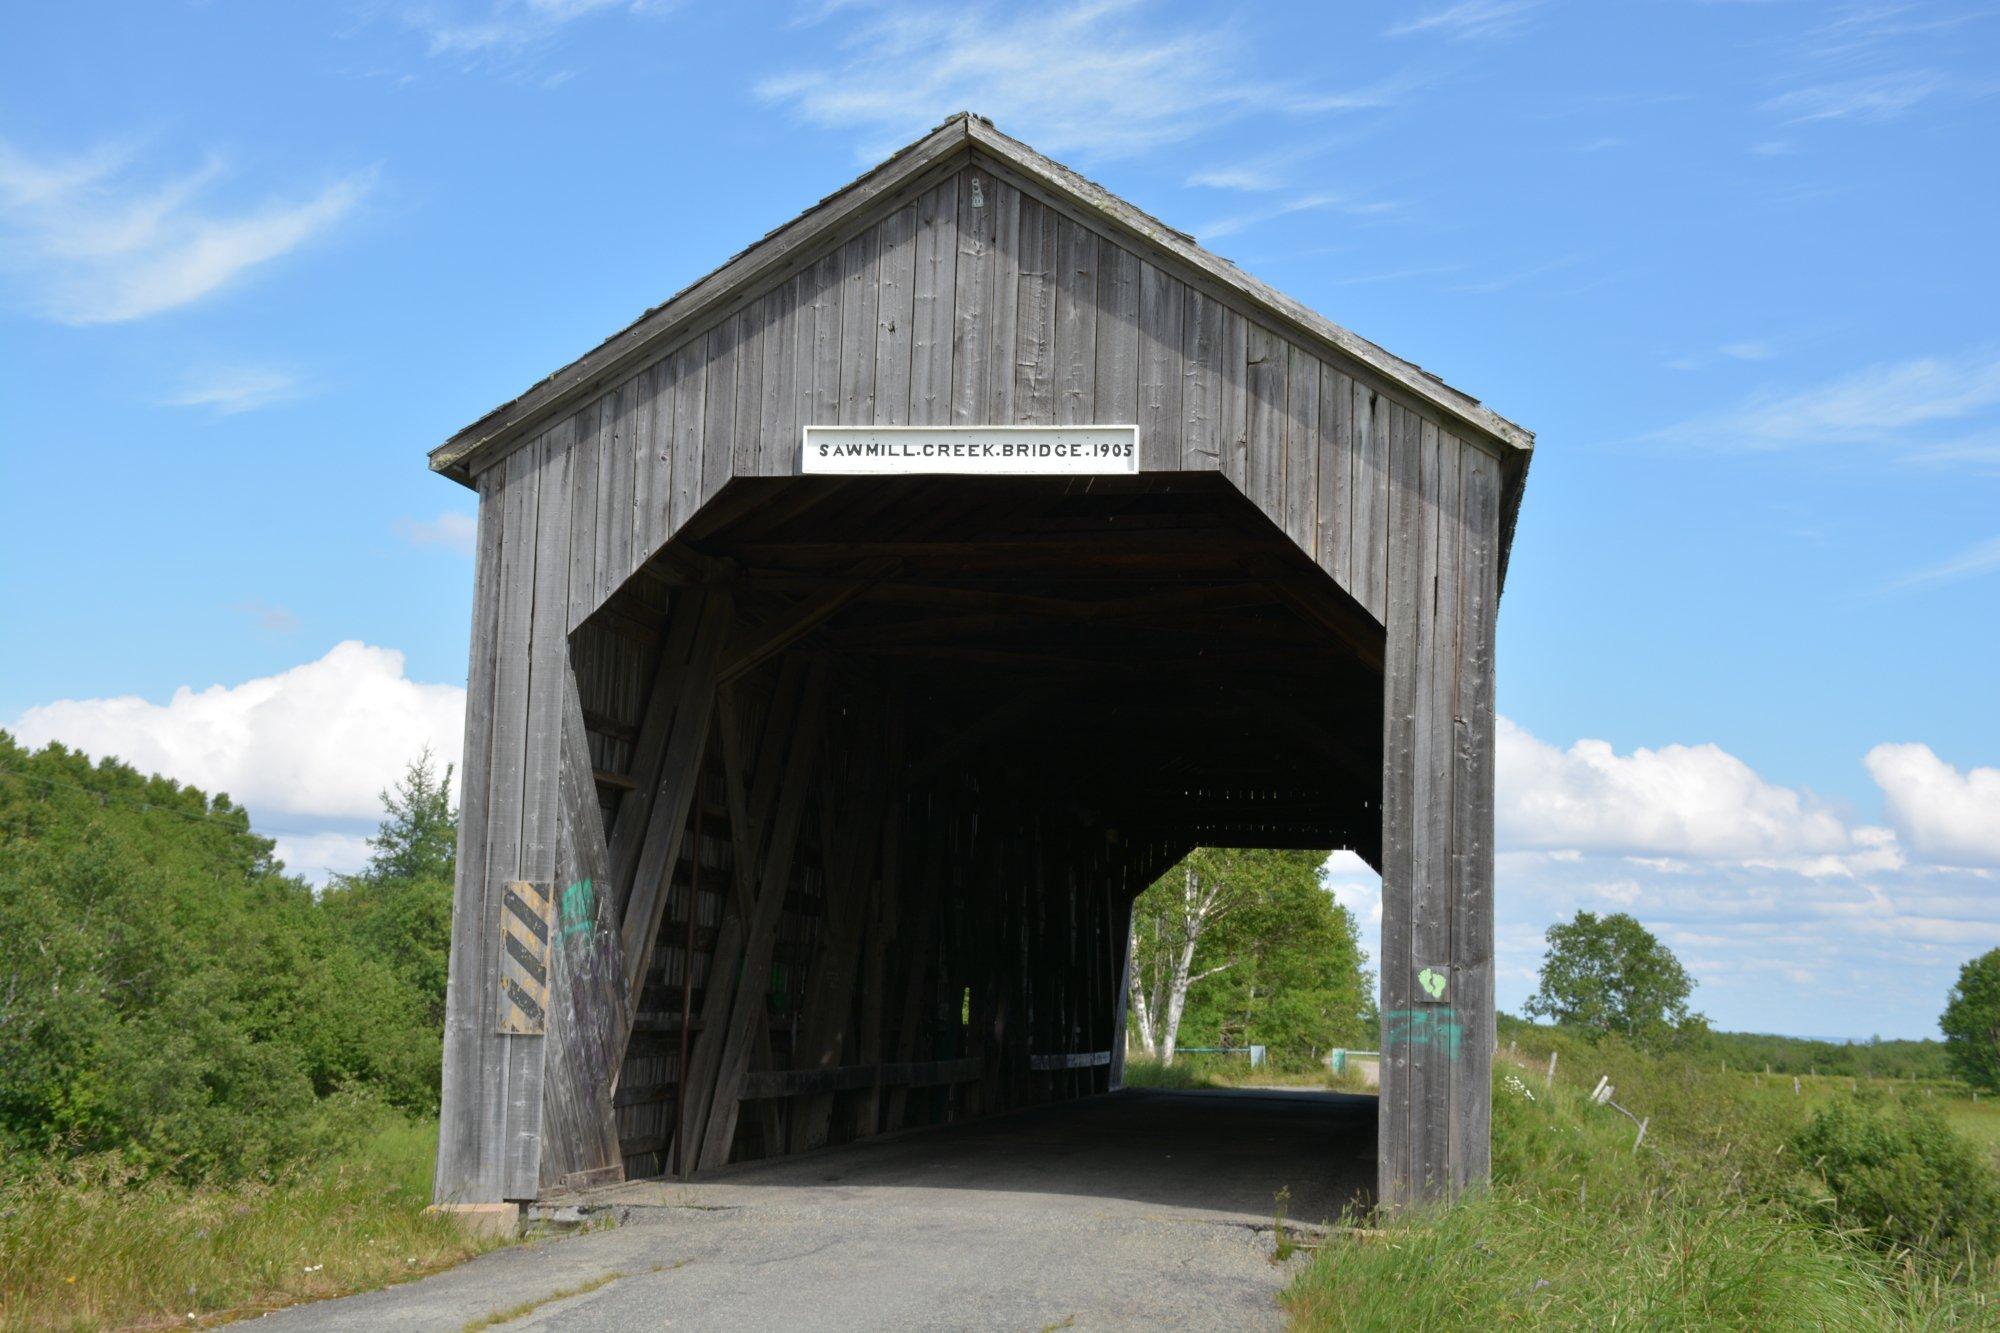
(958, 724)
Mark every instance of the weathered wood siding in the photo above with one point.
(981, 302)
(976, 300)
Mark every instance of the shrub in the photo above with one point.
(1900, 1174)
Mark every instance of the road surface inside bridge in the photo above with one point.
(1141, 1208)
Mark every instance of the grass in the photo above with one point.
(1223, 1071)
(85, 1245)
(1581, 1229)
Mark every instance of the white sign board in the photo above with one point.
(986, 451)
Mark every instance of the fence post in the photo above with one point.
(1550, 1081)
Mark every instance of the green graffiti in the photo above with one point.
(1434, 1028)
(1432, 982)
(579, 908)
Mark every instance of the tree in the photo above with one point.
(1242, 947)
(1971, 1022)
(1610, 974)
(418, 838)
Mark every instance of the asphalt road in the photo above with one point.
(1143, 1208)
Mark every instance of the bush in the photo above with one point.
(1900, 1174)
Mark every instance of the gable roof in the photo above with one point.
(921, 163)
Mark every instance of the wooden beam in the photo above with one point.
(685, 735)
(766, 641)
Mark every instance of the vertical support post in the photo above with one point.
(1437, 815)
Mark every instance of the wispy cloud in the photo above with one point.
(1469, 20)
(1877, 97)
(235, 389)
(1871, 63)
(489, 29)
(1921, 405)
(1310, 203)
(270, 618)
(1514, 278)
(452, 530)
(1979, 558)
(1743, 349)
(96, 238)
(1101, 78)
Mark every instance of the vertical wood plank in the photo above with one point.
(932, 298)
(972, 358)
(1436, 597)
(778, 413)
(1005, 317)
(1162, 308)
(690, 393)
(653, 489)
(1076, 323)
(1370, 498)
(1201, 383)
(1302, 438)
(1472, 816)
(461, 1138)
(643, 458)
(860, 299)
(1034, 339)
(719, 406)
(825, 360)
(1116, 374)
(1336, 476)
(1267, 399)
(747, 442)
(1406, 1027)
(1235, 402)
(895, 316)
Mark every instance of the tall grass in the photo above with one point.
(86, 1245)
(1696, 1228)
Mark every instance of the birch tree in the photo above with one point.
(1246, 946)
(1169, 921)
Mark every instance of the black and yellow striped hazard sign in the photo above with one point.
(524, 959)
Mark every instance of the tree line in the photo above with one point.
(170, 994)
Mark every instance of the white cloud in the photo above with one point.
(97, 240)
(451, 529)
(1691, 801)
(322, 739)
(321, 856)
(1950, 817)
(237, 389)
(1355, 886)
(1098, 77)
(1918, 405)
(1469, 19)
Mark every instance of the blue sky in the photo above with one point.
(1732, 262)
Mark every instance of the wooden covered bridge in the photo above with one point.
(859, 631)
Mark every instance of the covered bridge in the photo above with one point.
(859, 631)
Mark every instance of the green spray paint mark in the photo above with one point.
(579, 908)
(1432, 982)
(1433, 1028)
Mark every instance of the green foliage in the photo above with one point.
(1971, 1022)
(1609, 974)
(168, 994)
(1859, 1059)
(1278, 963)
(1716, 1221)
(1899, 1173)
